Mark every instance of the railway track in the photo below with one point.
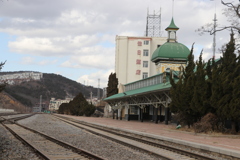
(146, 144)
(46, 146)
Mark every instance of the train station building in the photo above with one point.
(148, 98)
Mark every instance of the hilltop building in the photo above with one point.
(148, 98)
(18, 77)
(55, 103)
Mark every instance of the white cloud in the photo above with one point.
(27, 60)
(33, 61)
(83, 32)
(96, 57)
(92, 79)
(39, 46)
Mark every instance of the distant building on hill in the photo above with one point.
(55, 103)
(18, 77)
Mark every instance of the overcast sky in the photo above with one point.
(76, 38)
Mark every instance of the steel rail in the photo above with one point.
(81, 152)
(163, 146)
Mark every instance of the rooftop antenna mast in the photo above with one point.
(153, 27)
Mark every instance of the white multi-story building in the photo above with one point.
(133, 58)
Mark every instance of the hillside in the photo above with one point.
(51, 85)
(8, 102)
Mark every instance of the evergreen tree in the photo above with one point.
(78, 106)
(187, 91)
(182, 92)
(63, 108)
(208, 93)
(216, 88)
(199, 91)
(112, 85)
(227, 76)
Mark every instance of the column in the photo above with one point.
(141, 114)
(113, 114)
(156, 115)
(128, 118)
(166, 115)
(153, 113)
(160, 112)
(117, 114)
(120, 114)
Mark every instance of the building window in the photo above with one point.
(146, 42)
(138, 72)
(158, 45)
(139, 43)
(145, 75)
(139, 52)
(145, 64)
(138, 61)
(145, 52)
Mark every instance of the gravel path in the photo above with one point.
(11, 148)
(83, 140)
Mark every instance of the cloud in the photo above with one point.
(33, 61)
(96, 57)
(83, 32)
(92, 79)
(27, 60)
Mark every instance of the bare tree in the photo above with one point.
(232, 12)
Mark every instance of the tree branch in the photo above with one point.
(236, 8)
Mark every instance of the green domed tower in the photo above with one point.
(171, 55)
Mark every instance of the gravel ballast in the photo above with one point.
(81, 139)
(11, 148)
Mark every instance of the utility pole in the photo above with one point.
(91, 97)
(214, 34)
(40, 103)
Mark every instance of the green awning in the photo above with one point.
(140, 91)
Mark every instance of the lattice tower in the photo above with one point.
(153, 27)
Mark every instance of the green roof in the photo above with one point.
(172, 25)
(144, 90)
(143, 79)
(171, 50)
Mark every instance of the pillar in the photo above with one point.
(141, 114)
(156, 115)
(113, 114)
(117, 114)
(128, 118)
(153, 115)
(160, 112)
(120, 114)
(166, 115)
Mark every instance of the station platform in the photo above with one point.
(227, 144)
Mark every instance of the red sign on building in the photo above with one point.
(138, 72)
(139, 52)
